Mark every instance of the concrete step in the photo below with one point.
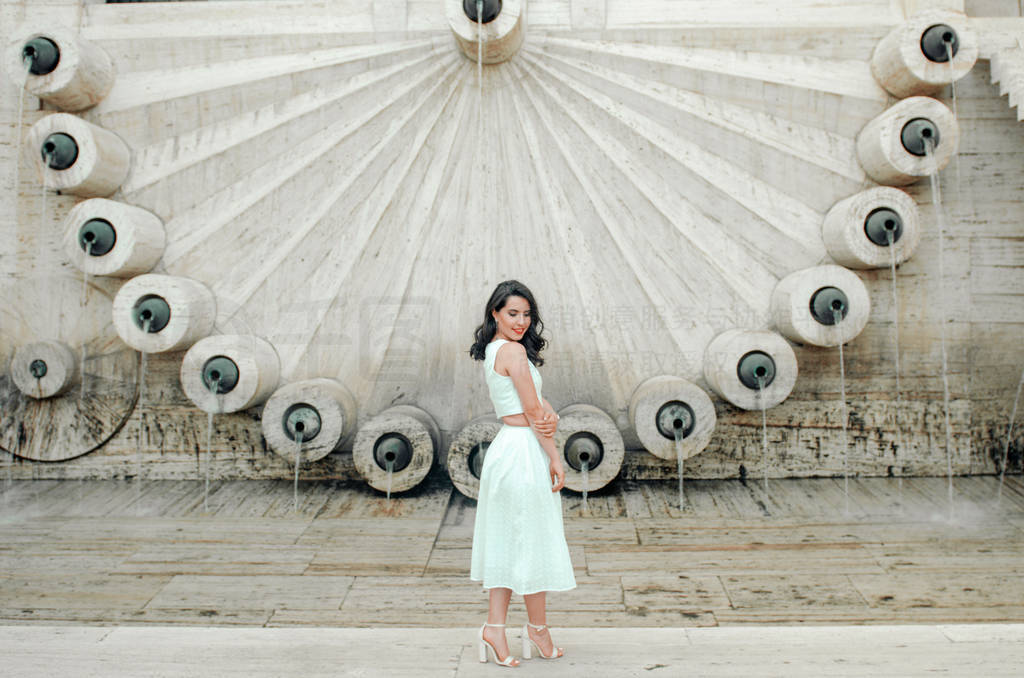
(981, 650)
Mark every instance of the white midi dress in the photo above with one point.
(518, 536)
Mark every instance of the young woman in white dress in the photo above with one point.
(518, 537)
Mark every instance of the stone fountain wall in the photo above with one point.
(982, 295)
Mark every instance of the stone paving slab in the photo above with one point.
(267, 592)
(157, 651)
(90, 553)
(214, 558)
(723, 560)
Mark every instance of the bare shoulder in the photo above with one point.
(512, 349)
(507, 359)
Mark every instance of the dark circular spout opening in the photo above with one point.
(301, 421)
(395, 448)
(154, 309)
(583, 448)
(883, 226)
(97, 237)
(38, 368)
(756, 370)
(476, 458)
(220, 374)
(829, 305)
(935, 39)
(59, 151)
(42, 53)
(491, 10)
(917, 133)
(675, 414)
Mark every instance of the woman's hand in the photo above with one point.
(548, 425)
(557, 475)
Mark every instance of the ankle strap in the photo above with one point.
(499, 625)
(540, 627)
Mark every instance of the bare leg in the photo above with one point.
(538, 616)
(496, 612)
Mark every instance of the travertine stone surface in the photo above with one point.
(723, 355)
(880, 148)
(193, 310)
(419, 429)
(846, 240)
(83, 76)
(334, 405)
(901, 67)
(1008, 70)
(791, 306)
(138, 245)
(665, 164)
(59, 362)
(655, 392)
(479, 430)
(259, 371)
(582, 418)
(502, 37)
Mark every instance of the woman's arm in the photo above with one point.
(519, 371)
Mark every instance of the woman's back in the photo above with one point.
(503, 393)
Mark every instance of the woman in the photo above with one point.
(518, 538)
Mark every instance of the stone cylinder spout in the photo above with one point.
(501, 30)
(319, 414)
(871, 228)
(77, 157)
(396, 449)
(911, 139)
(664, 403)
(466, 454)
(44, 369)
(230, 372)
(750, 368)
(154, 313)
(821, 306)
(58, 66)
(914, 58)
(106, 237)
(588, 439)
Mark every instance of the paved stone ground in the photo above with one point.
(110, 552)
(154, 578)
(988, 650)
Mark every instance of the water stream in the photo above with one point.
(43, 249)
(85, 300)
(389, 465)
(898, 448)
(585, 472)
(837, 316)
(298, 460)
(480, 113)
(677, 435)
(940, 219)
(956, 116)
(764, 426)
(42, 207)
(1009, 436)
(17, 134)
(143, 360)
(215, 389)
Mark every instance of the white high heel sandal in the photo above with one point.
(484, 645)
(527, 641)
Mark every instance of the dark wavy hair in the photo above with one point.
(531, 341)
